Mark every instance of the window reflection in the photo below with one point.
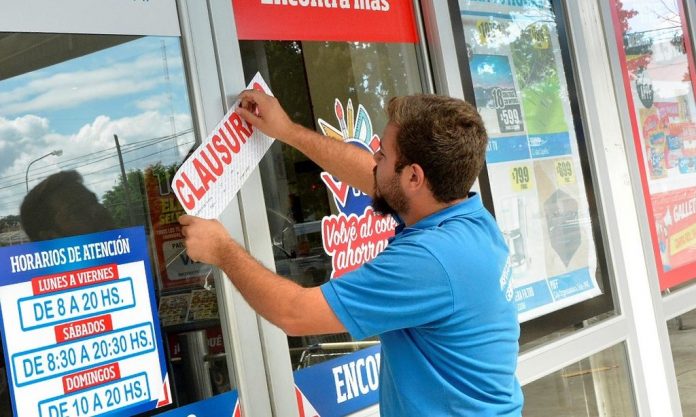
(682, 338)
(536, 163)
(595, 386)
(92, 128)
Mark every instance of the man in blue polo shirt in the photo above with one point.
(439, 296)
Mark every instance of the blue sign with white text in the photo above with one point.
(80, 331)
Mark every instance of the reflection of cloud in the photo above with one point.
(145, 139)
(486, 68)
(159, 101)
(71, 89)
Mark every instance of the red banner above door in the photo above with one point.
(326, 20)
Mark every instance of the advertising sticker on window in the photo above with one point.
(356, 234)
(176, 269)
(532, 158)
(659, 78)
(80, 331)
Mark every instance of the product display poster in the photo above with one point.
(80, 331)
(533, 160)
(659, 78)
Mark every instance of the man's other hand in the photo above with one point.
(265, 113)
(205, 240)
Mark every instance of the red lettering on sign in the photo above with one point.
(186, 199)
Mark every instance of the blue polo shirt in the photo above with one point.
(440, 299)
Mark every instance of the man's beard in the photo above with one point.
(398, 204)
(380, 205)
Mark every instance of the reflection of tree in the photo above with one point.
(368, 73)
(536, 72)
(115, 200)
(10, 223)
(533, 63)
(637, 45)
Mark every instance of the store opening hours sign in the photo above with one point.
(79, 327)
(326, 20)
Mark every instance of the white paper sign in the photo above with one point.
(208, 180)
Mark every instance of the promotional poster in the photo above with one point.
(532, 158)
(659, 76)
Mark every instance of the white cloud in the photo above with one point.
(156, 102)
(91, 150)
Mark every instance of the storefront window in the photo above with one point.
(536, 163)
(658, 71)
(682, 339)
(340, 89)
(91, 129)
(597, 386)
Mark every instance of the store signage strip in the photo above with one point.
(326, 20)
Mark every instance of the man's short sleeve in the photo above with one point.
(404, 286)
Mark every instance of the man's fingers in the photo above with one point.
(249, 116)
(186, 219)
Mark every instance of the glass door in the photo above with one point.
(93, 127)
(338, 82)
(340, 89)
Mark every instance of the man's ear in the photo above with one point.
(416, 176)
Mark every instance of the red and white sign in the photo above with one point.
(208, 180)
(326, 20)
(675, 232)
(353, 240)
(664, 135)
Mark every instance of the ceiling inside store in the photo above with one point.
(25, 52)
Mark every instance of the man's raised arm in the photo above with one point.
(348, 163)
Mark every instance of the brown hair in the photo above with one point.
(445, 136)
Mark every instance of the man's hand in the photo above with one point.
(205, 240)
(265, 113)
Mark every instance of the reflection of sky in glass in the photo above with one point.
(136, 90)
(492, 71)
(660, 23)
(653, 15)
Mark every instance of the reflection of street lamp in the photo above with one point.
(57, 152)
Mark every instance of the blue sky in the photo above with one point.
(78, 105)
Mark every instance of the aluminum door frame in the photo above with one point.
(214, 66)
